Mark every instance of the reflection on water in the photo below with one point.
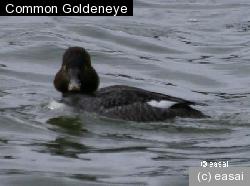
(64, 147)
(194, 50)
(71, 125)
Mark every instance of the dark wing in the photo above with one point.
(119, 95)
(142, 112)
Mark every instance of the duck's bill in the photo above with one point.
(74, 86)
(74, 83)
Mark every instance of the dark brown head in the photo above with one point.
(76, 74)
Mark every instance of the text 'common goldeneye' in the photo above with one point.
(78, 81)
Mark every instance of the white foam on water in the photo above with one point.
(55, 105)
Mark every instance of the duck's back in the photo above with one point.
(119, 95)
(135, 104)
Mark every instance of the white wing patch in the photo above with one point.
(161, 104)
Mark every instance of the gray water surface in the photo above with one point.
(197, 50)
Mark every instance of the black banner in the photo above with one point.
(66, 8)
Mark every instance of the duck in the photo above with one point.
(78, 82)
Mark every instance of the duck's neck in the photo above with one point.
(67, 94)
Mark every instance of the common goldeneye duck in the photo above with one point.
(78, 81)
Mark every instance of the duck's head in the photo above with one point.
(76, 74)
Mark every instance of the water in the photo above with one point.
(197, 50)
